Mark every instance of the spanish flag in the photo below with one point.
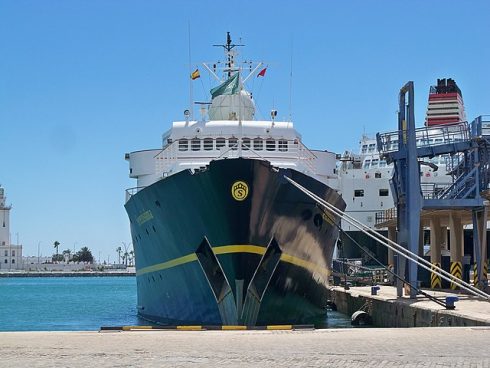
(195, 74)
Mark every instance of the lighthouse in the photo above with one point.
(10, 254)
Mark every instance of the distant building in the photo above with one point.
(10, 254)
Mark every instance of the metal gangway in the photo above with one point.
(467, 147)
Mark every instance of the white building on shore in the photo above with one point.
(10, 254)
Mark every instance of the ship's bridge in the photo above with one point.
(192, 145)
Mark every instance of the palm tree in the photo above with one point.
(56, 245)
(131, 259)
(118, 250)
(125, 258)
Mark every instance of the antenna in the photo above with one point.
(291, 82)
(191, 106)
(230, 56)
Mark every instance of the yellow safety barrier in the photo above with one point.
(435, 280)
(457, 271)
(190, 328)
(475, 275)
(280, 327)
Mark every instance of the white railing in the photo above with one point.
(293, 152)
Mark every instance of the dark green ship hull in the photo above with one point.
(234, 243)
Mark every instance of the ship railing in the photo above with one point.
(132, 191)
(429, 136)
(434, 190)
(292, 151)
(480, 127)
(385, 216)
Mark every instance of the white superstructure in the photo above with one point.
(227, 129)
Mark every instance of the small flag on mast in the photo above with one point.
(195, 74)
(262, 73)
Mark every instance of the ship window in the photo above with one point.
(270, 145)
(13, 253)
(220, 142)
(196, 144)
(183, 145)
(374, 162)
(258, 144)
(359, 193)
(371, 147)
(208, 144)
(364, 148)
(377, 175)
(382, 163)
(383, 192)
(246, 143)
(366, 164)
(13, 261)
(6, 254)
(6, 261)
(283, 145)
(233, 143)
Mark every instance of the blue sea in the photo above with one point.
(78, 304)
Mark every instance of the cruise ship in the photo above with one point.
(364, 177)
(221, 236)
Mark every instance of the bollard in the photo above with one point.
(450, 300)
(374, 290)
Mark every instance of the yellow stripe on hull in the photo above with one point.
(229, 249)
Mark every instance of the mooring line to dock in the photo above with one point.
(394, 246)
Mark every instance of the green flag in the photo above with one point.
(229, 87)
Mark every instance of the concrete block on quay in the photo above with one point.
(387, 310)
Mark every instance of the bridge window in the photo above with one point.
(258, 144)
(374, 162)
(382, 163)
(359, 193)
(196, 144)
(371, 147)
(208, 144)
(283, 145)
(233, 143)
(220, 142)
(246, 144)
(383, 192)
(183, 145)
(364, 148)
(270, 145)
(367, 163)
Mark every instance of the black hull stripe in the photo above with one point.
(228, 249)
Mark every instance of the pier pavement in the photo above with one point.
(361, 347)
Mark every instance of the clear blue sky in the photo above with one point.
(83, 82)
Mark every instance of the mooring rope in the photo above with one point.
(397, 248)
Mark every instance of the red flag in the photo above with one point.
(262, 73)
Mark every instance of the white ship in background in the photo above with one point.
(364, 178)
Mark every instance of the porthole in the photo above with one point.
(246, 144)
(183, 144)
(270, 145)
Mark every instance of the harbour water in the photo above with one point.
(79, 304)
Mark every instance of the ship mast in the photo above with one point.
(230, 55)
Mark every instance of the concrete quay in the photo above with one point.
(359, 347)
(386, 310)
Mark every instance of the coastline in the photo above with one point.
(67, 274)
